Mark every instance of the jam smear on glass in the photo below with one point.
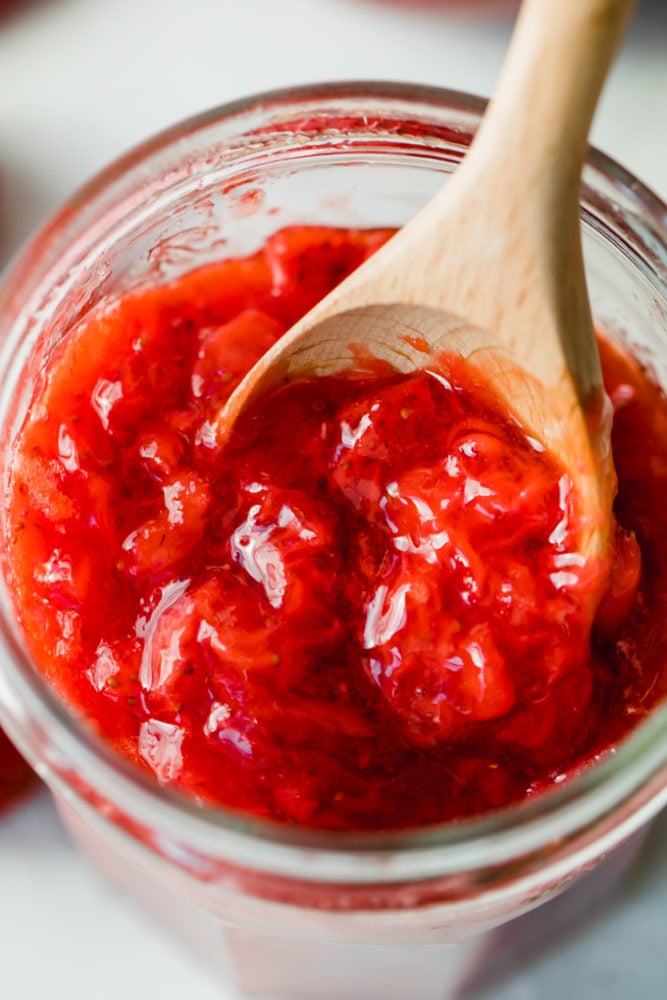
(16, 777)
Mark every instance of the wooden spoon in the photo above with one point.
(492, 267)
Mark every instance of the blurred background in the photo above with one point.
(81, 81)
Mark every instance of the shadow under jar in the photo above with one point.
(283, 911)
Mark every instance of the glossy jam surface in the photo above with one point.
(365, 610)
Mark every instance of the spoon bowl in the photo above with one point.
(409, 338)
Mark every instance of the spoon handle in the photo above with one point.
(500, 244)
(526, 182)
(557, 62)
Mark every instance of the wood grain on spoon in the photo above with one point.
(492, 266)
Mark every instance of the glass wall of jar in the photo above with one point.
(282, 910)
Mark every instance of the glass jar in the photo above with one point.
(282, 911)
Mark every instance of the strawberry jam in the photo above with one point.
(15, 775)
(365, 610)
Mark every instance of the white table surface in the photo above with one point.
(80, 82)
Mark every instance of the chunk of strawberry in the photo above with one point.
(160, 543)
(215, 624)
(306, 262)
(39, 482)
(226, 353)
(287, 542)
(216, 293)
(551, 715)
(159, 451)
(359, 465)
(438, 673)
(214, 664)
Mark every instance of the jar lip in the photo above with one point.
(580, 801)
(266, 99)
(389, 89)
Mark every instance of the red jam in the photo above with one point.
(15, 775)
(364, 611)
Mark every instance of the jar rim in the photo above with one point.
(416, 93)
(518, 829)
